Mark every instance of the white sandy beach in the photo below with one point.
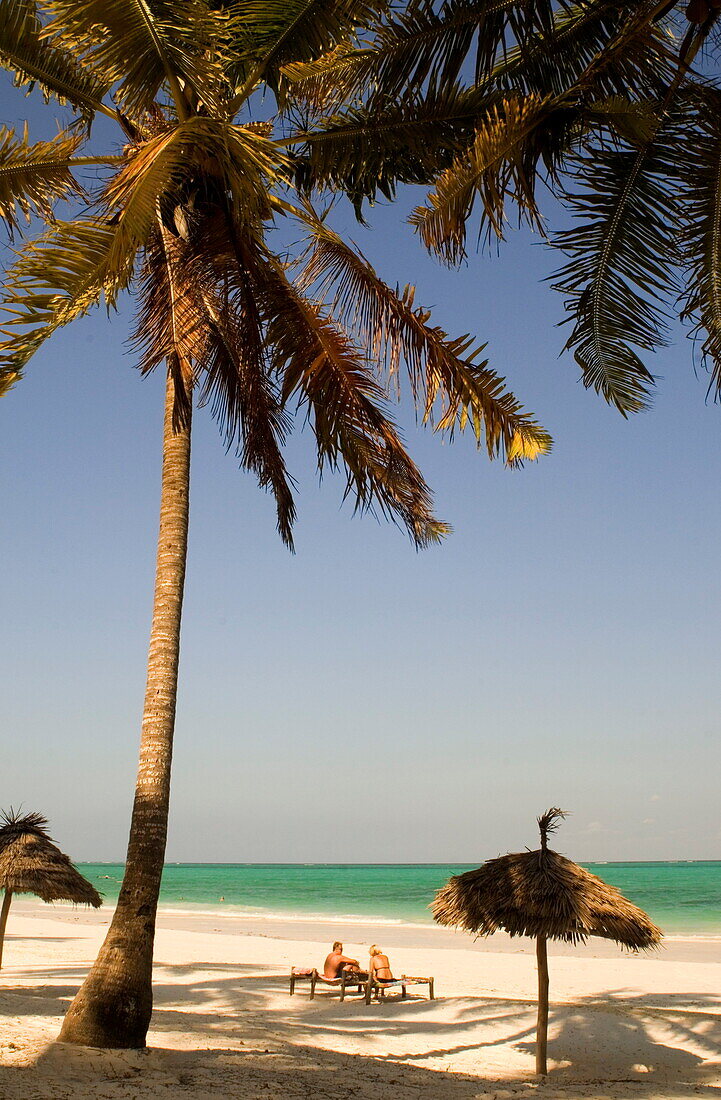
(224, 1025)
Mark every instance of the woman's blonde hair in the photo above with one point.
(374, 951)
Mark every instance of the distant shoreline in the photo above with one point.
(683, 896)
(422, 863)
(676, 947)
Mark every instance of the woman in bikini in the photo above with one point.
(379, 967)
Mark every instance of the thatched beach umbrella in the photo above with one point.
(31, 864)
(544, 895)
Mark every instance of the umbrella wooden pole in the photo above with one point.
(4, 919)
(542, 1021)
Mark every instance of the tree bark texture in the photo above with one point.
(114, 1004)
(542, 1022)
(7, 898)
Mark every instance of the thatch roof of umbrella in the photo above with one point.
(544, 895)
(30, 863)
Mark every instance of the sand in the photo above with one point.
(224, 1025)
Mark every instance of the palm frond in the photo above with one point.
(601, 47)
(199, 316)
(699, 178)
(330, 81)
(55, 280)
(159, 175)
(139, 46)
(363, 152)
(503, 158)
(442, 371)
(325, 373)
(278, 32)
(620, 271)
(426, 44)
(169, 328)
(33, 177)
(32, 60)
(238, 382)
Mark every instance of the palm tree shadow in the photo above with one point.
(662, 1046)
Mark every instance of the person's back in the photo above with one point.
(380, 966)
(337, 962)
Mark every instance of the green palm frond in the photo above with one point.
(607, 46)
(32, 60)
(620, 270)
(699, 177)
(139, 46)
(364, 152)
(275, 33)
(442, 371)
(542, 49)
(54, 281)
(429, 44)
(33, 177)
(192, 193)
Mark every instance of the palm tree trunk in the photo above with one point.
(4, 920)
(114, 1004)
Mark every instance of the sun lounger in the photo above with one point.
(403, 982)
(346, 980)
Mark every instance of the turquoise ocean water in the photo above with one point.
(684, 898)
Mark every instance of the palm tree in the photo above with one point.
(179, 219)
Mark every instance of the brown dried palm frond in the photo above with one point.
(169, 328)
(542, 893)
(30, 863)
(328, 375)
(237, 379)
(450, 385)
(501, 162)
(198, 313)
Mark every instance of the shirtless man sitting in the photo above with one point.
(337, 962)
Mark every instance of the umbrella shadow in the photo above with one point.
(654, 1039)
(663, 1046)
(651, 1036)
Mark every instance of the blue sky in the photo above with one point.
(360, 701)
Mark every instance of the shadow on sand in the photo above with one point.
(250, 1042)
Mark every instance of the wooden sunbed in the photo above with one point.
(349, 980)
(345, 981)
(404, 981)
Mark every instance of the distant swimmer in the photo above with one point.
(222, 899)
